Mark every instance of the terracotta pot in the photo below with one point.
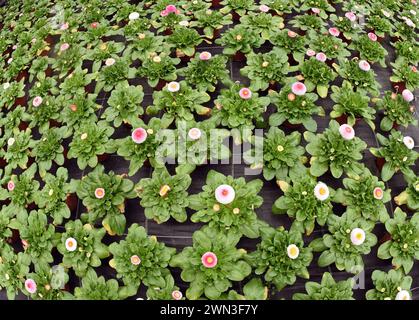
(239, 57)
(216, 33)
(22, 74)
(102, 157)
(395, 125)
(399, 86)
(20, 102)
(379, 162)
(72, 201)
(215, 3)
(236, 16)
(167, 32)
(23, 125)
(160, 85)
(54, 123)
(49, 39)
(49, 72)
(385, 238)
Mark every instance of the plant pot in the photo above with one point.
(3, 163)
(20, 102)
(71, 201)
(379, 162)
(273, 85)
(23, 125)
(160, 85)
(90, 88)
(15, 238)
(49, 39)
(395, 125)
(49, 72)
(291, 60)
(167, 32)
(22, 74)
(398, 86)
(54, 123)
(31, 206)
(386, 237)
(239, 57)
(236, 16)
(102, 157)
(288, 125)
(215, 3)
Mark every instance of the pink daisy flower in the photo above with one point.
(64, 26)
(334, 32)
(364, 65)
(378, 193)
(310, 53)
(177, 295)
(264, 8)
(172, 9)
(37, 101)
(64, 46)
(205, 55)
(109, 62)
(11, 185)
(298, 88)
(225, 194)
(372, 36)
(245, 93)
(408, 95)
(139, 135)
(315, 10)
(30, 286)
(209, 259)
(99, 193)
(347, 132)
(351, 16)
(164, 13)
(194, 133)
(94, 25)
(321, 57)
(135, 260)
(291, 34)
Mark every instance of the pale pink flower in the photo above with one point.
(71, 244)
(11, 185)
(194, 133)
(264, 8)
(135, 260)
(205, 55)
(298, 88)
(177, 295)
(30, 286)
(334, 32)
(225, 194)
(99, 193)
(378, 193)
(164, 13)
(64, 26)
(347, 132)
(408, 95)
(414, 69)
(9, 61)
(64, 46)
(291, 34)
(37, 101)
(364, 65)
(209, 259)
(310, 53)
(245, 93)
(321, 57)
(372, 36)
(315, 10)
(14, 47)
(173, 86)
(357, 236)
(109, 62)
(351, 16)
(94, 25)
(139, 135)
(409, 142)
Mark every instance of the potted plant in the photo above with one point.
(22, 189)
(404, 76)
(263, 23)
(145, 45)
(81, 247)
(350, 238)
(136, 27)
(100, 52)
(166, 16)
(336, 149)
(239, 41)
(199, 143)
(329, 44)
(103, 195)
(365, 196)
(306, 200)
(397, 111)
(164, 196)
(370, 49)
(44, 112)
(211, 264)
(6, 232)
(210, 22)
(68, 57)
(360, 75)
(390, 285)
(266, 70)
(124, 104)
(167, 292)
(295, 106)
(89, 141)
(44, 86)
(206, 71)
(347, 26)
(16, 118)
(381, 26)
(238, 7)
(293, 44)
(403, 246)
(184, 40)
(351, 106)
(38, 237)
(317, 75)
(12, 94)
(281, 256)
(407, 50)
(114, 72)
(179, 102)
(395, 154)
(283, 156)
(252, 290)
(40, 69)
(410, 196)
(327, 289)
(238, 108)
(141, 259)
(79, 110)
(322, 6)
(158, 69)
(97, 288)
(307, 22)
(279, 7)
(48, 283)
(228, 204)
(55, 199)
(49, 149)
(13, 270)
(76, 83)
